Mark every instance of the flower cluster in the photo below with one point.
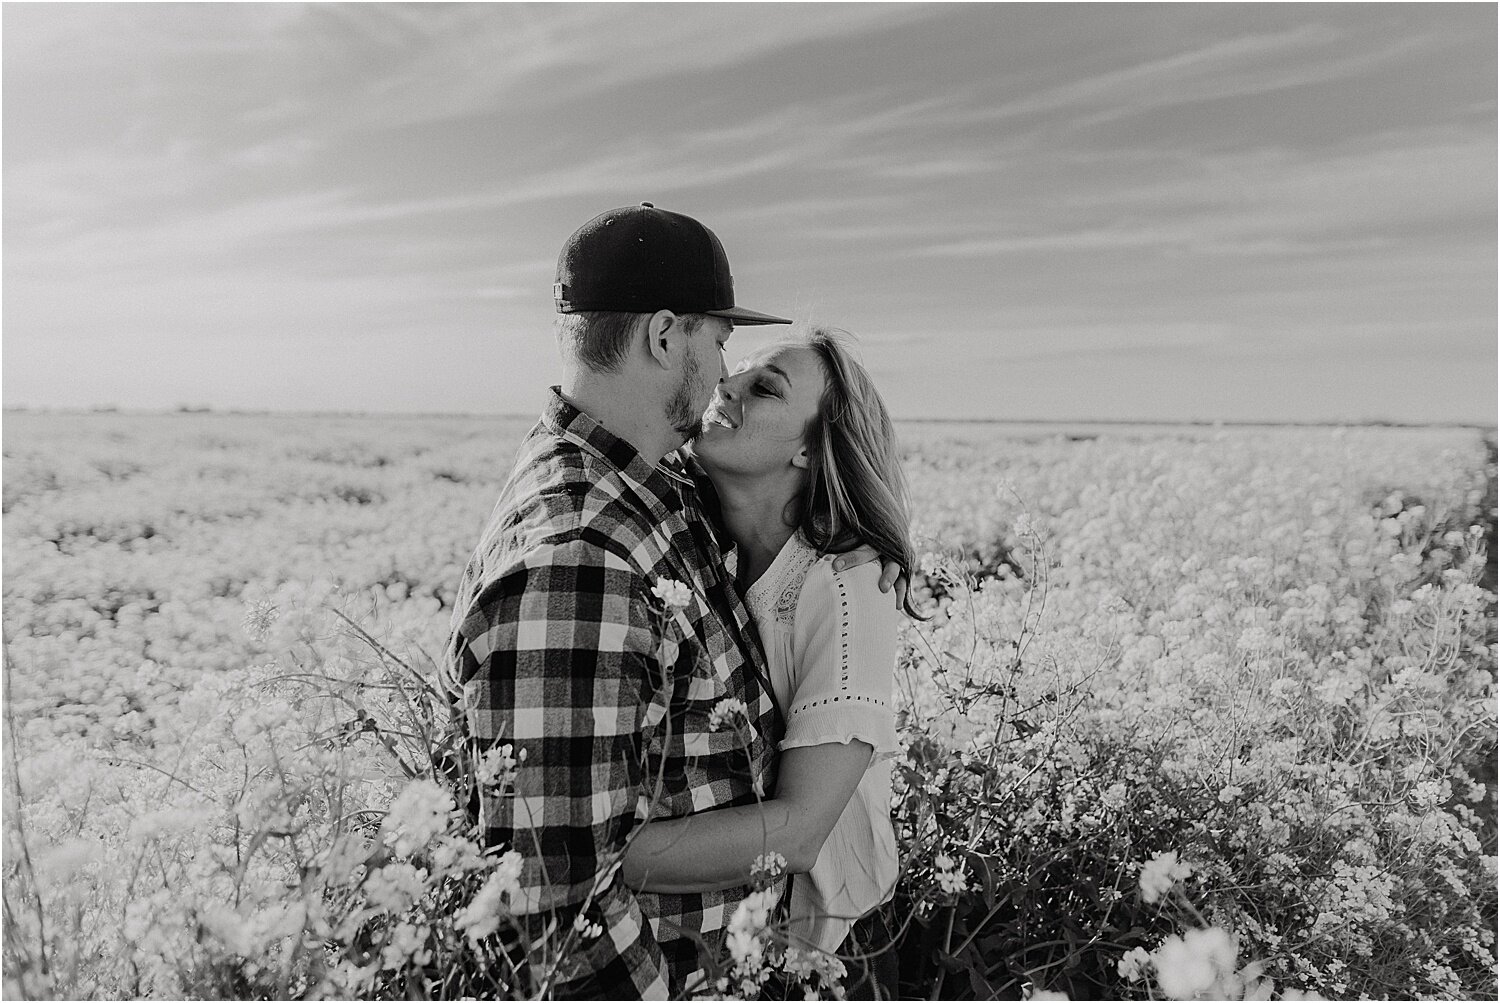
(496, 768)
(1160, 873)
(672, 593)
(768, 866)
(949, 875)
(730, 712)
(759, 951)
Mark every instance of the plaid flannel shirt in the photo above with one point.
(561, 648)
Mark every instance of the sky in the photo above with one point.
(1236, 212)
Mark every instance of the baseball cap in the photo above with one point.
(641, 259)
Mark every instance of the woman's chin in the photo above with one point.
(709, 449)
(703, 446)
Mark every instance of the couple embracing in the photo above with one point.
(681, 611)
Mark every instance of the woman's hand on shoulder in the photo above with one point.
(891, 573)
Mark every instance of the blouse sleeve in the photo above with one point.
(844, 660)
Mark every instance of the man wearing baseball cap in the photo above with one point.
(597, 626)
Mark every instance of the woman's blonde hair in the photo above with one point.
(856, 492)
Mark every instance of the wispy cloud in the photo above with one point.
(427, 64)
(1261, 201)
(1252, 64)
(53, 200)
(1168, 78)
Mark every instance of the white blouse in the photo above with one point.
(830, 642)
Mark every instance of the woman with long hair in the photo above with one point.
(802, 454)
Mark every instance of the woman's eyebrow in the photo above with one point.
(773, 367)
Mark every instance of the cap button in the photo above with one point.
(647, 205)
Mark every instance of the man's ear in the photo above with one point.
(801, 460)
(661, 330)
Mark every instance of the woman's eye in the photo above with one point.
(766, 389)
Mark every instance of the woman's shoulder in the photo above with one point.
(854, 592)
(843, 657)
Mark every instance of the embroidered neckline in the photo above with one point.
(774, 595)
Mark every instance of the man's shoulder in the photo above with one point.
(561, 490)
(549, 481)
(562, 506)
(549, 461)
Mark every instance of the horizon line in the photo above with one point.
(187, 410)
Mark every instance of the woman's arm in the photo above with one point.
(844, 652)
(715, 849)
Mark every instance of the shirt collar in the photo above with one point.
(659, 488)
(707, 496)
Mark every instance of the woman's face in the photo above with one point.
(757, 418)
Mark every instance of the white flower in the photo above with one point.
(727, 711)
(672, 592)
(1230, 793)
(407, 941)
(802, 965)
(950, 876)
(497, 767)
(455, 854)
(508, 871)
(354, 978)
(1133, 965)
(417, 817)
(1114, 798)
(1191, 965)
(1430, 793)
(1160, 873)
(745, 937)
(768, 865)
(394, 887)
(481, 917)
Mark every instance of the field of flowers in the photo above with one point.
(1201, 713)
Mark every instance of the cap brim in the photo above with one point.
(743, 316)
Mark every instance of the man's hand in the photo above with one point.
(890, 572)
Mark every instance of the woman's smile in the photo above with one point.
(717, 415)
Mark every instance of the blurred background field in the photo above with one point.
(116, 524)
(1267, 649)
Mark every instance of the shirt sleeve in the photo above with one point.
(558, 659)
(844, 660)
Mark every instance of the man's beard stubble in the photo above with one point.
(687, 422)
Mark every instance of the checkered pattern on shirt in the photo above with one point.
(559, 648)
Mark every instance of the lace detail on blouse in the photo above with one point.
(774, 596)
